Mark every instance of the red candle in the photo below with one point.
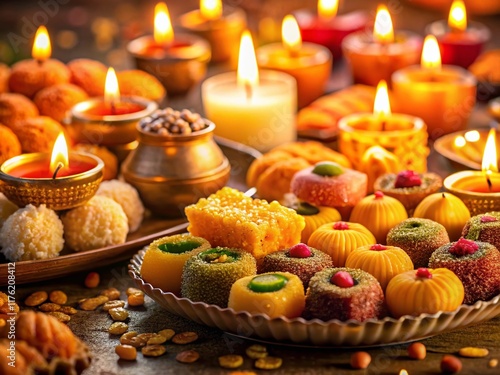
(327, 28)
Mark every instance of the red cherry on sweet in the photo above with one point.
(424, 273)
(378, 195)
(407, 179)
(378, 247)
(342, 279)
(341, 225)
(300, 251)
(488, 219)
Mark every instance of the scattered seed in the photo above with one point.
(58, 296)
(126, 352)
(91, 304)
(493, 363)
(36, 298)
(133, 291)
(68, 310)
(167, 333)
(360, 360)
(113, 304)
(128, 338)
(157, 339)
(417, 350)
(145, 337)
(2, 322)
(268, 363)
(187, 356)
(450, 364)
(153, 350)
(49, 307)
(256, 351)
(92, 280)
(136, 299)
(63, 318)
(111, 293)
(118, 328)
(473, 352)
(185, 338)
(118, 313)
(230, 361)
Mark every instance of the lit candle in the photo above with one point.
(30, 76)
(402, 135)
(178, 61)
(221, 27)
(460, 41)
(310, 64)
(480, 190)
(375, 57)
(327, 27)
(253, 107)
(443, 96)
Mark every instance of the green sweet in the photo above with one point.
(267, 283)
(328, 168)
(179, 247)
(306, 209)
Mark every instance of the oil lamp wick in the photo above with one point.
(488, 181)
(59, 166)
(248, 91)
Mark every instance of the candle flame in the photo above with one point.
(59, 157)
(41, 46)
(431, 56)
(248, 72)
(490, 163)
(403, 372)
(111, 88)
(460, 141)
(382, 105)
(163, 31)
(328, 9)
(472, 136)
(457, 19)
(383, 31)
(211, 9)
(290, 33)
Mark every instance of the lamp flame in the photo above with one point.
(457, 19)
(403, 372)
(328, 9)
(383, 31)
(59, 157)
(211, 9)
(290, 33)
(431, 56)
(490, 161)
(163, 31)
(111, 89)
(382, 105)
(41, 46)
(248, 72)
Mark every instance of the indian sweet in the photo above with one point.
(301, 260)
(477, 265)
(38, 134)
(126, 196)
(165, 258)
(229, 218)
(89, 74)
(4, 77)
(273, 294)
(383, 262)
(32, 233)
(15, 108)
(100, 222)
(378, 213)
(484, 228)
(140, 83)
(344, 294)
(339, 239)
(55, 101)
(424, 290)
(7, 208)
(10, 145)
(419, 238)
(209, 275)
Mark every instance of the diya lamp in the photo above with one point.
(178, 61)
(402, 136)
(249, 106)
(58, 180)
(221, 27)
(479, 190)
(375, 57)
(460, 41)
(110, 120)
(310, 64)
(27, 77)
(443, 96)
(469, 146)
(328, 28)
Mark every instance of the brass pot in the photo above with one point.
(173, 171)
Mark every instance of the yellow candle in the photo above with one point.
(310, 64)
(443, 96)
(252, 107)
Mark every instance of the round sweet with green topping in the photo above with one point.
(165, 258)
(484, 228)
(208, 276)
(273, 293)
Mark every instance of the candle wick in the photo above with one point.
(248, 91)
(383, 125)
(113, 107)
(58, 168)
(490, 185)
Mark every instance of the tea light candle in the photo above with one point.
(310, 64)
(402, 135)
(179, 62)
(252, 107)
(328, 28)
(461, 42)
(443, 96)
(375, 57)
(221, 27)
(58, 180)
(110, 120)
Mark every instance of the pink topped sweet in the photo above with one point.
(463, 247)
(342, 279)
(407, 179)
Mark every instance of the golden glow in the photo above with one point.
(403, 372)
(472, 136)
(457, 19)
(490, 163)
(248, 72)
(111, 88)
(290, 33)
(59, 153)
(41, 46)
(383, 31)
(163, 32)
(211, 9)
(328, 9)
(431, 56)
(459, 141)
(382, 105)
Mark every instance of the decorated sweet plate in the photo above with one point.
(317, 333)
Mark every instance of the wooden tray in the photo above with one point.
(68, 262)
